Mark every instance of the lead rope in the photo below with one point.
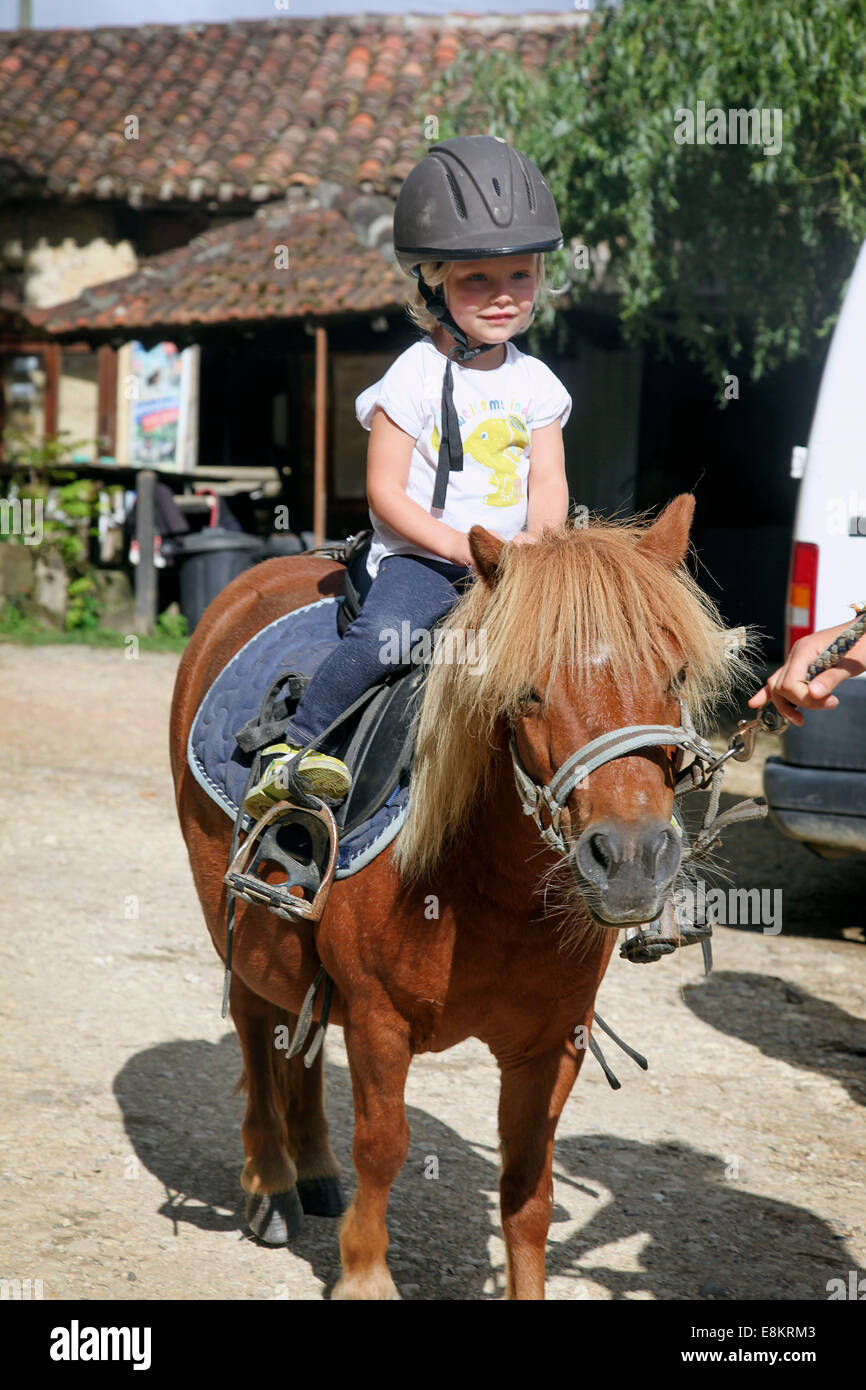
(839, 649)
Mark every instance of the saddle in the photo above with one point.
(374, 737)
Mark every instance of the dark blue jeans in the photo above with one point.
(407, 589)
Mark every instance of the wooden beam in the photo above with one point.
(320, 477)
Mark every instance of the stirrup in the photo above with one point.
(313, 876)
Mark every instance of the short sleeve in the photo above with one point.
(551, 401)
(398, 395)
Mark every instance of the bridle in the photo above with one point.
(705, 772)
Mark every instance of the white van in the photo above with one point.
(817, 789)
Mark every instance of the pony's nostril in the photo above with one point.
(599, 850)
(665, 848)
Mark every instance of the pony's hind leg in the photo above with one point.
(307, 1131)
(272, 1207)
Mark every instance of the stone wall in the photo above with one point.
(59, 251)
(34, 579)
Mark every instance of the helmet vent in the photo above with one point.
(456, 195)
(529, 192)
(498, 188)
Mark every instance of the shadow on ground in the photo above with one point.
(785, 1023)
(695, 1233)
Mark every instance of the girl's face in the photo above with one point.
(492, 299)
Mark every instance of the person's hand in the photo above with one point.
(523, 538)
(787, 687)
(459, 552)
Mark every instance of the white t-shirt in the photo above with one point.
(497, 411)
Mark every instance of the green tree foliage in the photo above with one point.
(739, 254)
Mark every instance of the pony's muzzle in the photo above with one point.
(625, 869)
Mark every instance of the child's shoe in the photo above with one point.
(318, 773)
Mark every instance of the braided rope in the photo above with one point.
(842, 645)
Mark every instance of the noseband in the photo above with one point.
(705, 772)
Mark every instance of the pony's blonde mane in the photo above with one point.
(587, 599)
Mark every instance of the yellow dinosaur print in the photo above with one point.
(497, 445)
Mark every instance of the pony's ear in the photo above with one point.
(668, 537)
(486, 550)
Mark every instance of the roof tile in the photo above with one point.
(240, 105)
(229, 273)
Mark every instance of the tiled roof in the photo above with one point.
(237, 111)
(231, 274)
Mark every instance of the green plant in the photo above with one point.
(84, 607)
(170, 624)
(739, 254)
(14, 622)
(69, 506)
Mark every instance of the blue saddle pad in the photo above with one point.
(299, 641)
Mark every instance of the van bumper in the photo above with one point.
(823, 806)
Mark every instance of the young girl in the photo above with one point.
(476, 443)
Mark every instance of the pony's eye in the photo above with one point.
(530, 697)
(677, 683)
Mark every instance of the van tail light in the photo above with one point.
(802, 586)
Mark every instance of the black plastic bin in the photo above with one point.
(277, 546)
(207, 561)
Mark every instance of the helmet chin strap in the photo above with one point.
(450, 445)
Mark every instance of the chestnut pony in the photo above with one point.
(468, 924)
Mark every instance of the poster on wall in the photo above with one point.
(162, 401)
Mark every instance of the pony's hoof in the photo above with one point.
(377, 1286)
(276, 1217)
(321, 1196)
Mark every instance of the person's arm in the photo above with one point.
(787, 687)
(547, 483)
(389, 455)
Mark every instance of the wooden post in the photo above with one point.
(145, 574)
(107, 402)
(52, 386)
(320, 484)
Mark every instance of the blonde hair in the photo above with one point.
(437, 272)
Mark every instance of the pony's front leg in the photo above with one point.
(379, 1056)
(532, 1094)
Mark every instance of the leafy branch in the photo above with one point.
(739, 254)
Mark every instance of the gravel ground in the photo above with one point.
(732, 1169)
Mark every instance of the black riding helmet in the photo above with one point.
(468, 199)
